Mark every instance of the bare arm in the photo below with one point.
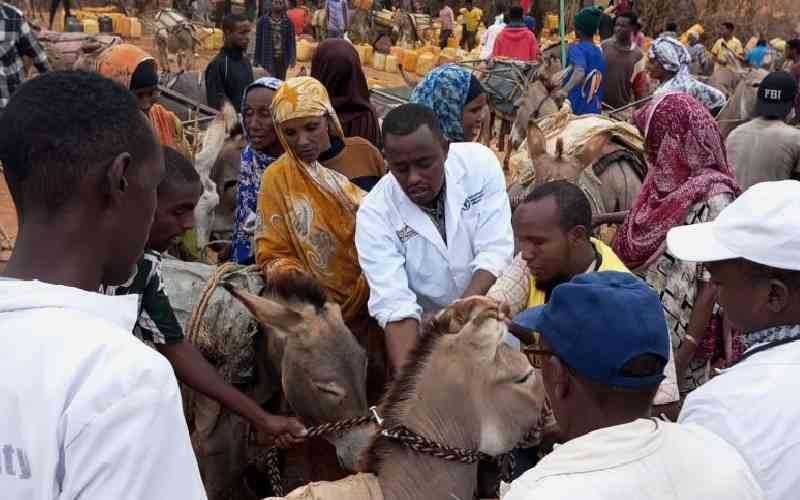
(609, 218)
(481, 282)
(192, 369)
(698, 326)
(401, 336)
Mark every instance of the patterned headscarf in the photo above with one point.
(687, 165)
(305, 97)
(674, 57)
(670, 54)
(248, 182)
(446, 90)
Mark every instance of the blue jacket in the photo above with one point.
(264, 55)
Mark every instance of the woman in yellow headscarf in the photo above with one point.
(136, 70)
(309, 197)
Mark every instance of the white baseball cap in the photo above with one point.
(762, 226)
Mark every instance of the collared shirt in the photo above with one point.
(437, 212)
(88, 411)
(646, 459)
(156, 322)
(752, 405)
(16, 40)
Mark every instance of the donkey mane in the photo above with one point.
(403, 389)
(296, 286)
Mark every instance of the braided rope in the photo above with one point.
(403, 435)
(193, 326)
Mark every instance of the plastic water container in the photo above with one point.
(135, 27)
(106, 24)
(410, 61)
(73, 25)
(391, 64)
(304, 50)
(369, 52)
(91, 26)
(219, 40)
(425, 63)
(379, 61)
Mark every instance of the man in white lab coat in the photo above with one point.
(436, 229)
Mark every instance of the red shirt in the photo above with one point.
(516, 42)
(299, 18)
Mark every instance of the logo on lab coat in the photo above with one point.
(472, 200)
(406, 233)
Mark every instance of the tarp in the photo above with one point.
(357, 486)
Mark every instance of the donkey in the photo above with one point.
(308, 348)
(462, 387)
(214, 140)
(741, 107)
(175, 35)
(611, 184)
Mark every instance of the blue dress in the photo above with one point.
(586, 98)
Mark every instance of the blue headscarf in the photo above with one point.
(248, 183)
(447, 90)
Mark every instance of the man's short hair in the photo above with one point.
(62, 125)
(794, 44)
(728, 25)
(408, 118)
(671, 27)
(516, 13)
(177, 170)
(630, 16)
(761, 43)
(573, 205)
(230, 21)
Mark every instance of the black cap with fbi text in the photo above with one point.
(776, 95)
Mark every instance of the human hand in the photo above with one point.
(286, 431)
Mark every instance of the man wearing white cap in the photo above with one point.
(752, 251)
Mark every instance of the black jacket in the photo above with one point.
(227, 75)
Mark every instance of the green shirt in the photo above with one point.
(157, 322)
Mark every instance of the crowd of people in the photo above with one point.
(669, 352)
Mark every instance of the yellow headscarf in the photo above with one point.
(306, 97)
(307, 212)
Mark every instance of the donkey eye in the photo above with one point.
(525, 378)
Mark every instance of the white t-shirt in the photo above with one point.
(86, 409)
(646, 459)
(754, 406)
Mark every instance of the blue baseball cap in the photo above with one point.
(600, 321)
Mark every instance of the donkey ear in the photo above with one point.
(537, 143)
(593, 150)
(267, 312)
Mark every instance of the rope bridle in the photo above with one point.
(399, 434)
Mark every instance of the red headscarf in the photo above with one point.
(337, 66)
(687, 165)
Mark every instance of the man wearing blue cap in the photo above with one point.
(752, 250)
(601, 380)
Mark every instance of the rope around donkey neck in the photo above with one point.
(400, 434)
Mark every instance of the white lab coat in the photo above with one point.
(409, 267)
